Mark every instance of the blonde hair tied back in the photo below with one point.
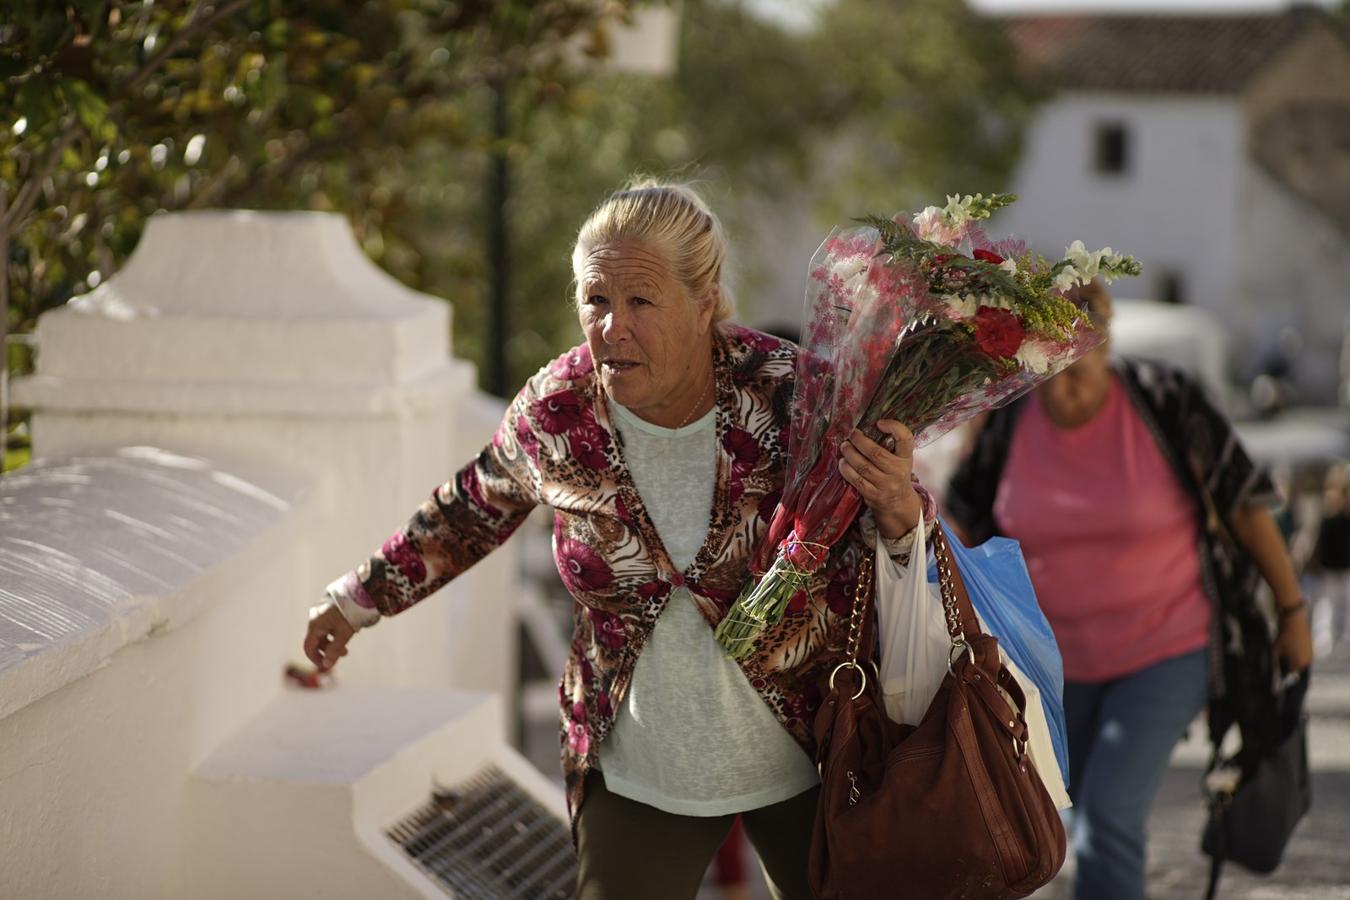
(674, 221)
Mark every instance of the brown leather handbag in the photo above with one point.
(952, 808)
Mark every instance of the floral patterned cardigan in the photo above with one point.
(558, 446)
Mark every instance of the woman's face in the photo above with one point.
(649, 342)
(1075, 394)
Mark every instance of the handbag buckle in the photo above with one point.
(862, 677)
(954, 654)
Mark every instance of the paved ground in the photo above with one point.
(1317, 866)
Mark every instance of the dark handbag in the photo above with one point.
(1252, 822)
(952, 808)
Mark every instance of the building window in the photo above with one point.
(1111, 148)
(1172, 287)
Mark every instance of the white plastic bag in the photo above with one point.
(914, 647)
(914, 640)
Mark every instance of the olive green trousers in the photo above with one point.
(631, 851)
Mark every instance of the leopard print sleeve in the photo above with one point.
(462, 521)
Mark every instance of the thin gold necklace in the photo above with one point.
(712, 379)
(666, 440)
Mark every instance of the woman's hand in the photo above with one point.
(884, 477)
(326, 640)
(1293, 641)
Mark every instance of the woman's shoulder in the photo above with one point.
(574, 370)
(757, 356)
(1155, 374)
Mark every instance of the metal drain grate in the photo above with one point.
(487, 839)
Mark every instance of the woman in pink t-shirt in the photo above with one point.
(1106, 476)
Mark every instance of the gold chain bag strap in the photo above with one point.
(952, 808)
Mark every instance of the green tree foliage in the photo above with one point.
(382, 110)
(115, 109)
(125, 107)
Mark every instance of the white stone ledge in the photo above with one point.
(102, 550)
(52, 393)
(307, 789)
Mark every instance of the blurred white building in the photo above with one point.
(1216, 149)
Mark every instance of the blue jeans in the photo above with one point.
(1121, 734)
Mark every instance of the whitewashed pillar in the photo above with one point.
(271, 338)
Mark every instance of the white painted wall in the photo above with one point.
(1174, 209)
(311, 404)
(1250, 253)
(1294, 271)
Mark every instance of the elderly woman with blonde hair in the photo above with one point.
(660, 444)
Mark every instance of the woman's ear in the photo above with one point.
(708, 307)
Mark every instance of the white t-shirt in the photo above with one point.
(692, 736)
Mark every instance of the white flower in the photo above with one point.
(929, 222)
(1082, 260)
(958, 209)
(1009, 266)
(1068, 277)
(1034, 357)
(962, 307)
(851, 266)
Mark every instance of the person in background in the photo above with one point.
(660, 444)
(1145, 528)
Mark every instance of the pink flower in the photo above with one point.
(931, 225)
(400, 551)
(744, 452)
(609, 628)
(578, 740)
(998, 332)
(557, 412)
(572, 365)
(582, 569)
(589, 445)
(1010, 248)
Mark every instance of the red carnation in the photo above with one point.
(998, 332)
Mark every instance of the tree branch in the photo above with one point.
(27, 196)
(173, 44)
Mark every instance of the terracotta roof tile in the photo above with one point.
(1207, 54)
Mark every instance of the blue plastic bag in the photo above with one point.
(1000, 589)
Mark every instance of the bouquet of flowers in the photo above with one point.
(926, 321)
